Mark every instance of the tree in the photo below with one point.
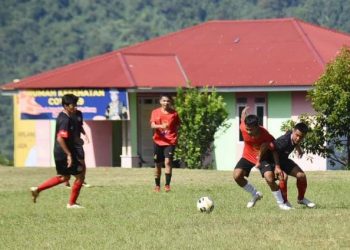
(201, 114)
(330, 98)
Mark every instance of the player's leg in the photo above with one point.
(267, 172)
(159, 162)
(81, 158)
(282, 182)
(168, 162)
(299, 174)
(62, 176)
(79, 173)
(240, 172)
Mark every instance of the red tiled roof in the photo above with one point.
(243, 53)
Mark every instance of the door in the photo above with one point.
(145, 143)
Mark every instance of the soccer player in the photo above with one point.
(77, 118)
(285, 145)
(165, 123)
(65, 153)
(256, 138)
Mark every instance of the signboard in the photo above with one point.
(96, 104)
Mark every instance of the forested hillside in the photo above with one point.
(37, 35)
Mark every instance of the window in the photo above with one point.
(257, 107)
(240, 109)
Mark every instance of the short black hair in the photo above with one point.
(251, 121)
(302, 127)
(68, 99)
(166, 95)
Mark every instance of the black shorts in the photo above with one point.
(75, 169)
(287, 165)
(162, 152)
(247, 166)
(80, 152)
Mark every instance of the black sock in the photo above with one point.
(167, 179)
(157, 181)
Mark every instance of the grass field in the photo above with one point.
(122, 212)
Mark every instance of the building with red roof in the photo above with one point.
(266, 64)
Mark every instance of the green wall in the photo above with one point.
(133, 122)
(225, 141)
(279, 110)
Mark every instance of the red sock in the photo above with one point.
(50, 183)
(301, 185)
(283, 188)
(75, 191)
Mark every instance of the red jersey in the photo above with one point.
(252, 144)
(168, 136)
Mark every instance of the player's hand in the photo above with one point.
(258, 164)
(278, 172)
(69, 161)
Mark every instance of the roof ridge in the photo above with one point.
(309, 44)
(323, 27)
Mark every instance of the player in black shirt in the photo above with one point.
(285, 145)
(65, 153)
(77, 118)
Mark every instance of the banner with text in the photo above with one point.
(96, 104)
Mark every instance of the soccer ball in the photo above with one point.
(205, 205)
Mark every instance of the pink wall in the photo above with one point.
(43, 142)
(300, 104)
(98, 153)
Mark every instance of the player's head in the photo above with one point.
(252, 124)
(69, 102)
(165, 101)
(299, 132)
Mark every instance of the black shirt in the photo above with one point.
(77, 119)
(284, 145)
(64, 125)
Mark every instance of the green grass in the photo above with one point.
(122, 212)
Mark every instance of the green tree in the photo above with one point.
(201, 114)
(330, 98)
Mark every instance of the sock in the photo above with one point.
(283, 188)
(301, 185)
(157, 181)
(167, 179)
(50, 183)
(278, 196)
(75, 191)
(250, 189)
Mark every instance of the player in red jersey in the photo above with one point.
(165, 123)
(66, 156)
(256, 138)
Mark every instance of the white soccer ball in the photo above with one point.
(205, 204)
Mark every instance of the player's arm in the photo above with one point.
(299, 150)
(244, 113)
(156, 126)
(64, 147)
(263, 150)
(276, 158)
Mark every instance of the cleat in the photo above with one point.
(35, 193)
(74, 206)
(167, 188)
(287, 203)
(156, 189)
(86, 185)
(307, 203)
(257, 196)
(284, 206)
